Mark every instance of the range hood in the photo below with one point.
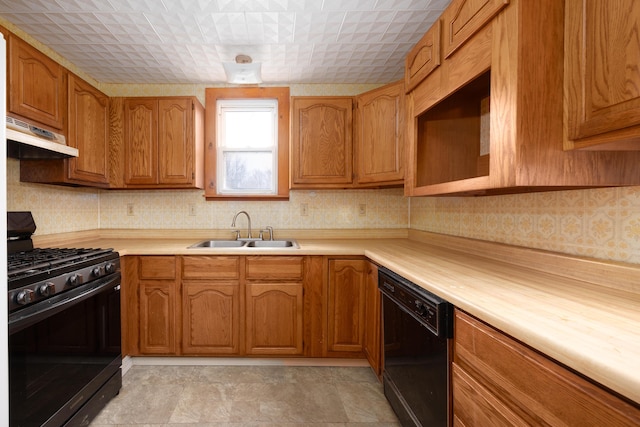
(25, 141)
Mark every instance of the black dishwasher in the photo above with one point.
(417, 328)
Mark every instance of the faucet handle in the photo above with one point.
(268, 229)
(237, 233)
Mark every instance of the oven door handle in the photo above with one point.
(47, 308)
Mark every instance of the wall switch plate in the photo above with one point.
(304, 209)
(192, 210)
(130, 211)
(362, 209)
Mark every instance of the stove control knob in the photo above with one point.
(75, 280)
(24, 297)
(47, 289)
(98, 271)
(110, 268)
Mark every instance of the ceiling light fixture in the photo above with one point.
(243, 71)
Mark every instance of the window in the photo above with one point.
(247, 146)
(247, 134)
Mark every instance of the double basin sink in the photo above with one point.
(262, 244)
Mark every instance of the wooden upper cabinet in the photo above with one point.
(463, 19)
(88, 131)
(141, 136)
(175, 141)
(37, 85)
(322, 142)
(424, 57)
(380, 133)
(602, 82)
(489, 119)
(162, 142)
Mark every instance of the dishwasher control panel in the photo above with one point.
(431, 311)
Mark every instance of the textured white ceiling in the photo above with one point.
(186, 41)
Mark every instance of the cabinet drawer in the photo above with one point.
(531, 385)
(475, 406)
(157, 267)
(274, 267)
(463, 18)
(211, 267)
(423, 58)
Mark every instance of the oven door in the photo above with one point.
(62, 351)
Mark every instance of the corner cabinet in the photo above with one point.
(37, 88)
(379, 143)
(602, 109)
(157, 142)
(498, 381)
(489, 118)
(321, 142)
(88, 131)
(346, 298)
(372, 345)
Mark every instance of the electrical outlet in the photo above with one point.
(130, 209)
(304, 209)
(362, 209)
(192, 210)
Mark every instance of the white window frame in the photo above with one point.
(248, 105)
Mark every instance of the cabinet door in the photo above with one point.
(37, 85)
(88, 131)
(423, 58)
(141, 136)
(464, 18)
(274, 318)
(372, 323)
(380, 135)
(175, 141)
(211, 317)
(322, 143)
(157, 311)
(346, 302)
(601, 67)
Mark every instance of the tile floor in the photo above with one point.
(243, 396)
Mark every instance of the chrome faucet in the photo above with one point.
(233, 224)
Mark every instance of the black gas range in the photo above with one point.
(64, 329)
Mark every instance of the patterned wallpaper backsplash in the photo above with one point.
(602, 223)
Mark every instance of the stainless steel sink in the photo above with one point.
(246, 244)
(218, 244)
(273, 244)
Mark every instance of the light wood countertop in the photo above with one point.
(584, 313)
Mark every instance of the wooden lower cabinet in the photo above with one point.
(158, 317)
(207, 305)
(498, 381)
(157, 309)
(346, 306)
(211, 317)
(274, 318)
(372, 346)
